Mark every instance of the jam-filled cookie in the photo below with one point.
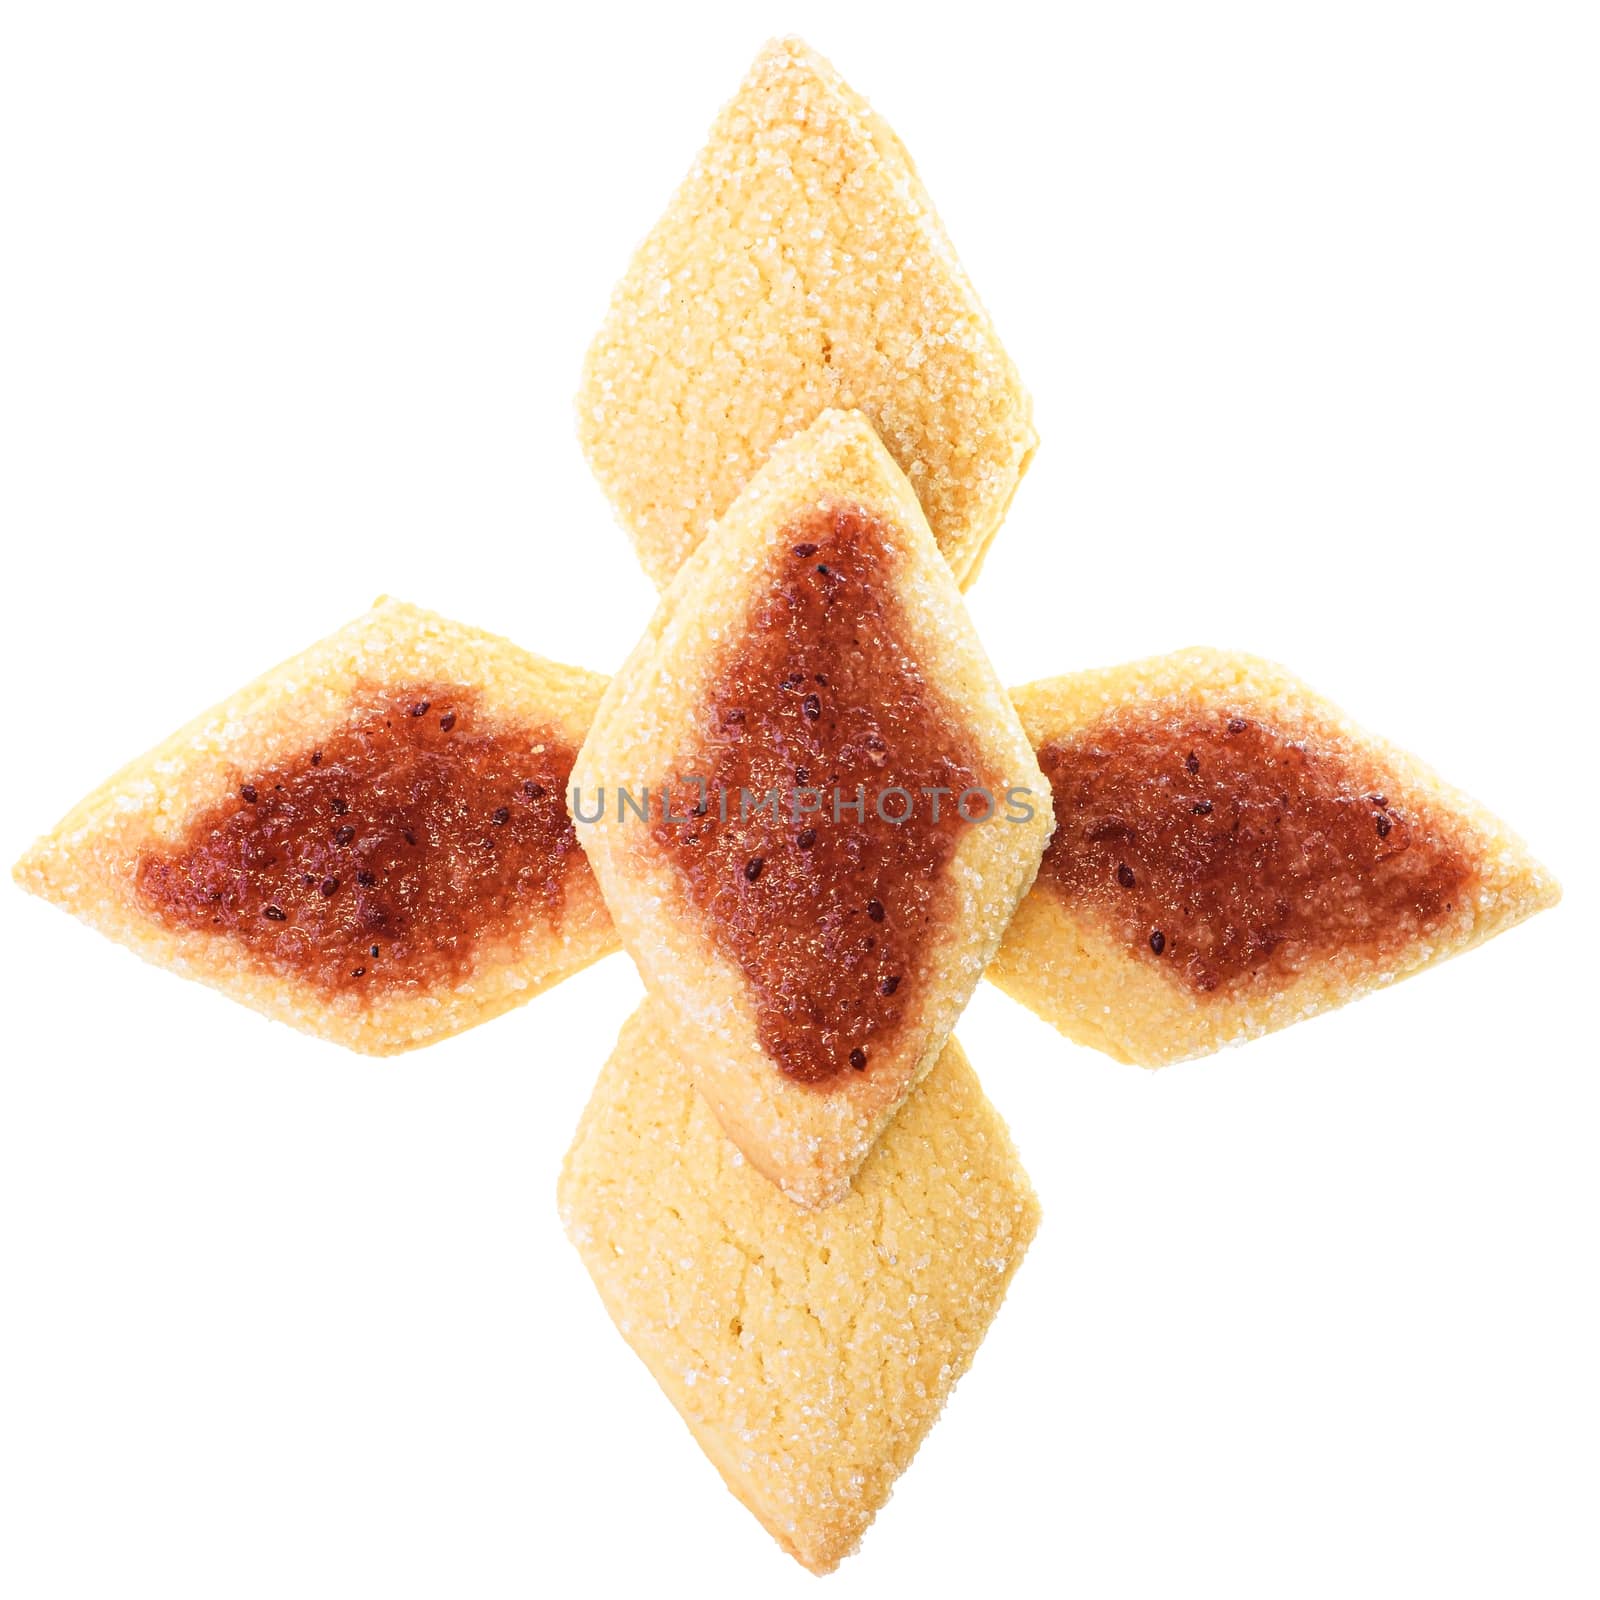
(800, 266)
(1232, 855)
(811, 806)
(809, 1352)
(371, 842)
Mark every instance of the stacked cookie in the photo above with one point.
(807, 808)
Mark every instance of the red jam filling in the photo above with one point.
(828, 913)
(387, 857)
(1220, 848)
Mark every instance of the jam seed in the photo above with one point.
(1202, 808)
(1237, 724)
(502, 815)
(344, 835)
(330, 887)
(805, 551)
(316, 758)
(1384, 825)
(248, 794)
(812, 707)
(1378, 801)
(373, 952)
(875, 910)
(807, 838)
(274, 914)
(534, 791)
(1191, 762)
(366, 880)
(889, 984)
(1158, 941)
(339, 806)
(420, 709)
(752, 868)
(447, 721)
(358, 972)
(858, 1059)
(1125, 875)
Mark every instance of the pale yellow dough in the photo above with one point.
(809, 1141)
(800, 266)
(809, 1352)
(87, 863)
(1078, 975)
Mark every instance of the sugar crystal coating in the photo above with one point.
(800, 266)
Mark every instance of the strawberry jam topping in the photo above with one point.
(1224, 850)
(824, 896)
(414, 836)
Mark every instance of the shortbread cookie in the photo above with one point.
(809, 1352)
(1231, 855)
(757, 796)
(370, 843)
(799, 267)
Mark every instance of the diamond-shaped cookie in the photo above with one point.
(809, 1352)
(370, 842)
(800, 266)
(1232, 855)
(811, 807)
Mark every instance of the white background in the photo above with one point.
(292, 304)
